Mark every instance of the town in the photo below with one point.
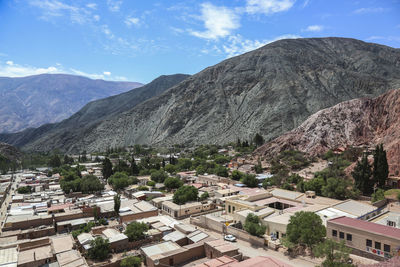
(204, 207)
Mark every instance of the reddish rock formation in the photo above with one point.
(357, 122)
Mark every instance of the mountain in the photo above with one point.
(75, 127)
(358, 122)
(35, 100)
(270, 90)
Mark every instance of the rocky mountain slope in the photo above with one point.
(10, 152)
(270, 90)
(75, 127)
(358, 122)
(35, 100)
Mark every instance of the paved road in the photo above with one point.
(251, 251)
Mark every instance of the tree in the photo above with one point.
(136, 231)
(204, 196)
(378, 195)
(315, 185)
(380, 171)
(117, 203)
(185, 194)
(100, 248)
(170, 168)
(362, 176)
(107, 168)
(258, 140)
(119, 180)
(131, 261)
(24, 190)
(336, 254)
(250, 180)
(90, 184)
(68, 160)
(172, 183)
(55, 161)
(305, 228)
(253, 225)
(236, 175)
(258, 168)
(158, 176)
(184, 164)
(336, 188)
(134, 167)
(221, 171)
(151, 183)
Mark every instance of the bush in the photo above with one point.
(237, 175)
(151, 183)
(250, 180)
(24, 190)
(172, 183)
(378, 195)
(100, 248)
(204, 196)
(131, 261)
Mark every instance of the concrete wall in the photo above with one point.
(136, 216)
(243, 235)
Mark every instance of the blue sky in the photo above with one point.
(141, 40)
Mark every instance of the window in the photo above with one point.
(369, 243)
(341, 235)
(334, 233)
(377, 245)
(349, 237)
(386, 248)
(229, 208)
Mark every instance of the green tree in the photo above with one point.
(305, 228)
(158, 176)
(362, 176)
(172, 183)
(335, 254)
(315, 185)
(378, 195)
(134, 167)
(236, 175)
(24, 190)
(380, 171)
(136, 231)
(336, 188)
(120, 180)
(117, 203)
(55, 161)
(68, 160)
(185, 194)
(258, 168)
(204, 196)
(253, 225)
(170, 168)
(221, 171)
(100, 249)
(250, 180)
(90, 184)
(131, 261)
(107, 168)
(184, 164)
(258, 140)
(151, 183)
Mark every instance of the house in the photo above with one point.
(178, 211)
(365, 238)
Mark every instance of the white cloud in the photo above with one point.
(313, 28)
(56, 8)
(366, 10)
(129, 21)
(114, 5)
(10, 69)
(218, 21)
(96, 17)
(268, 6)
(306, 2)
(237, 45)
(92, 5)
(106, 30)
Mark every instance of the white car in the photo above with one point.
(230, 238)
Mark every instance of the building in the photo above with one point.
(178, 211)
(367, 238)
(218, 248)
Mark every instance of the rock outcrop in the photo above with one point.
(358, 122)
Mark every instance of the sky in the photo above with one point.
(132, 40)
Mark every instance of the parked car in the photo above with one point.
(230, 238)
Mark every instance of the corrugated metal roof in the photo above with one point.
(174, 236)
(9, 257)
(160, 248)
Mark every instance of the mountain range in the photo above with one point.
(35, 100)
(269, 91)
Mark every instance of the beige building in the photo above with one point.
(177, 211)
(367, 238)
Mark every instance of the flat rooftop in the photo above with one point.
(160, 248)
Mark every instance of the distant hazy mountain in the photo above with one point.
(269, 91)
(93, 113)
(35, 100)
